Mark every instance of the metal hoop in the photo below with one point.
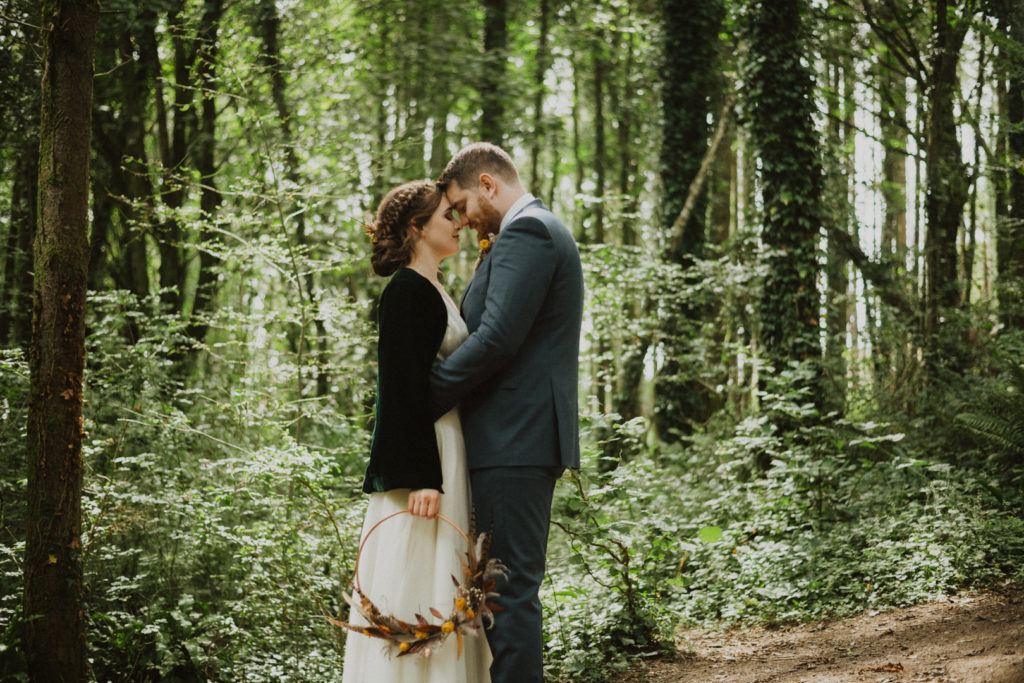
(362, 543)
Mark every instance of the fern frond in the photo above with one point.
(1004, 433)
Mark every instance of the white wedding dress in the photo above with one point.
(407, 564)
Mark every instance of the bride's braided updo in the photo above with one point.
(408, 205)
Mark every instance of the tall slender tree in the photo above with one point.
(1010, 227)
(947, 182)
(19, 118)
(492, 125)
(207, 49)
(542, 62)
(54, 613)
(689, 54)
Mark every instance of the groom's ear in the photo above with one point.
(488, 185)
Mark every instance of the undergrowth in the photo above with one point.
(846, 516)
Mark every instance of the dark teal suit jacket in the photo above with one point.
(412, 320)
(516, 376)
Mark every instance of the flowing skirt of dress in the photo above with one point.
(406, 568)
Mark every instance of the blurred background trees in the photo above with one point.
(803, 231)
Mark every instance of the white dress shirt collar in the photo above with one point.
(514, 210)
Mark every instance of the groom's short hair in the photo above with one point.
(480, 157)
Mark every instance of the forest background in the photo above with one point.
(802, 225)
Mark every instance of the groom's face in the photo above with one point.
(475, 208)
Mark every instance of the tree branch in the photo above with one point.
(697, 184)
(878, 274)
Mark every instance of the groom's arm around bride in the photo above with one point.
(515, 378)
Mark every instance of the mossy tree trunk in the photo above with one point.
(781, 102)
(54, 619)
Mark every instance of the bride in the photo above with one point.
(407, 563)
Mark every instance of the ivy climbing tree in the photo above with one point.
(780, 99)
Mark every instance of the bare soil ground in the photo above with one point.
(963, 639)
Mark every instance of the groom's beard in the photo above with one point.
(489, 220)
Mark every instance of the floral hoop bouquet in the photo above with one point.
(469, 607)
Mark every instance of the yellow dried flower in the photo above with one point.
(470, 614)
(460, 604)
(485, 244)
(447, 627)
(420, 635)
(403, 646)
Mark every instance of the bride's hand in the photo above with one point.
(425, 502)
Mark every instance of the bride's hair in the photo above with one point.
(407, 206)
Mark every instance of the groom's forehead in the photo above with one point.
(455, 193)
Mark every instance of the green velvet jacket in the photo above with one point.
(412, 319)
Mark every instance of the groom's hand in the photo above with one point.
(425, 502)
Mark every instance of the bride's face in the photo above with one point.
(440, 234)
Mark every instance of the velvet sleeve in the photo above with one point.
(412, 320)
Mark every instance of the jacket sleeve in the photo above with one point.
(521, 273)
(412, 319)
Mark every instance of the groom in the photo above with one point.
(515, 378)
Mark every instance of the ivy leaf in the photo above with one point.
(710, 534)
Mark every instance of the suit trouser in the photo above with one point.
(517, 501)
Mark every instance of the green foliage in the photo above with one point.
(827, 518)
(996, 414)
(14, 376)
(214, 542)
(606, 598)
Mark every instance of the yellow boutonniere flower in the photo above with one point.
(485, 244)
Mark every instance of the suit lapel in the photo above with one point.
(465, 293)
(478, 287)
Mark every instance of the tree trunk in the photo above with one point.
(892, 92)
(840, 147)
(122, 191)
(689, 54)
(783, 131)
(1010, 236)
(54, 616)
(947, 191)
(209, 197)
(542, 62)
(270, 56)
(577, 147)
(16, 292)
(600, 65)
(16, 306)
(492, 127)
(174, 152)
(628, 400)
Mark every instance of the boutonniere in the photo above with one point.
(487, 243)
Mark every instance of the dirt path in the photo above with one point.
(963, 639)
